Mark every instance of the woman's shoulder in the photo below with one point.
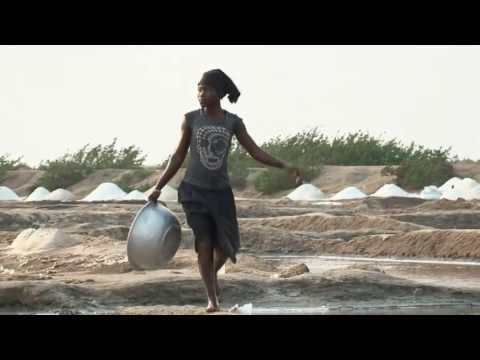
(192, 114)
(234, 117)
(236, 121)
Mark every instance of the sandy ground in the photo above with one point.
(92, 274)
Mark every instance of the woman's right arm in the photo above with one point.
(175, 161)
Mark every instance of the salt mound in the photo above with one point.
(350, 192)
(106, 192)
(7, 194)
(168, 193)
(39, 194)
(60, 195)
(391, 190)
(474, 193)
(467, 184)
(328, 203)
(448, 185)
(453, 194)
(33, 240)
(430, 193)
(135, 195)
(456, 188)
(306, 192)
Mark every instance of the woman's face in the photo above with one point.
(207, 95)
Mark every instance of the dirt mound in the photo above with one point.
(366, 267)
(251, 265)
(366, 178)
(320, 222)
(35, 240)
(260, 210)
(452, 219)
(153, 178)
(392, 202)
(98, 177)
(332, 179)
(22, 181)
(87, 185)
(293, 270)
(444, 204)
(6, 237)
(432, 243)
(11, 221)
(261, 239)
(420, 243)
(116, 232)
(465, 169)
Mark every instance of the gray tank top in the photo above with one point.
(209, 148)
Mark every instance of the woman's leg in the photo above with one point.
(206, 267)
(220, 260)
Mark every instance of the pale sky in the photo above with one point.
(55, 99)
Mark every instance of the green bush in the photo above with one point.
(145, 187)
(184, 165)
(273, 180)
(137, 175)
(62, 173)
(72, 168)
(7, 164)
(432, 168)
(312, 148)
(419, 166)
(238, 176)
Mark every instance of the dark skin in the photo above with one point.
(210, 258)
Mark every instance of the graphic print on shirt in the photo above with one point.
(212, 146)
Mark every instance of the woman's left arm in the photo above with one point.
(258, 154)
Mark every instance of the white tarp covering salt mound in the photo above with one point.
(35, 240)
(391, 190)
(349, 193)
(453, 194)
(7, 194)
(39, 194)
(328, 203)
(430, 193)
(467, 184)
(135, 195)
(457, 188)
(168, 193)
(448, 185)
(474, 193)
(60, 195)
(106, 192)
(306, 192)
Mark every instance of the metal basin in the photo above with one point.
(154, 237)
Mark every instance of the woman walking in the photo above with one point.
(205, 192)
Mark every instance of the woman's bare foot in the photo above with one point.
(212, 307)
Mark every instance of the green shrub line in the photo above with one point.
(131, 177)
(413, 165)
(310, 150)
(7, 164)
(72, 168)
